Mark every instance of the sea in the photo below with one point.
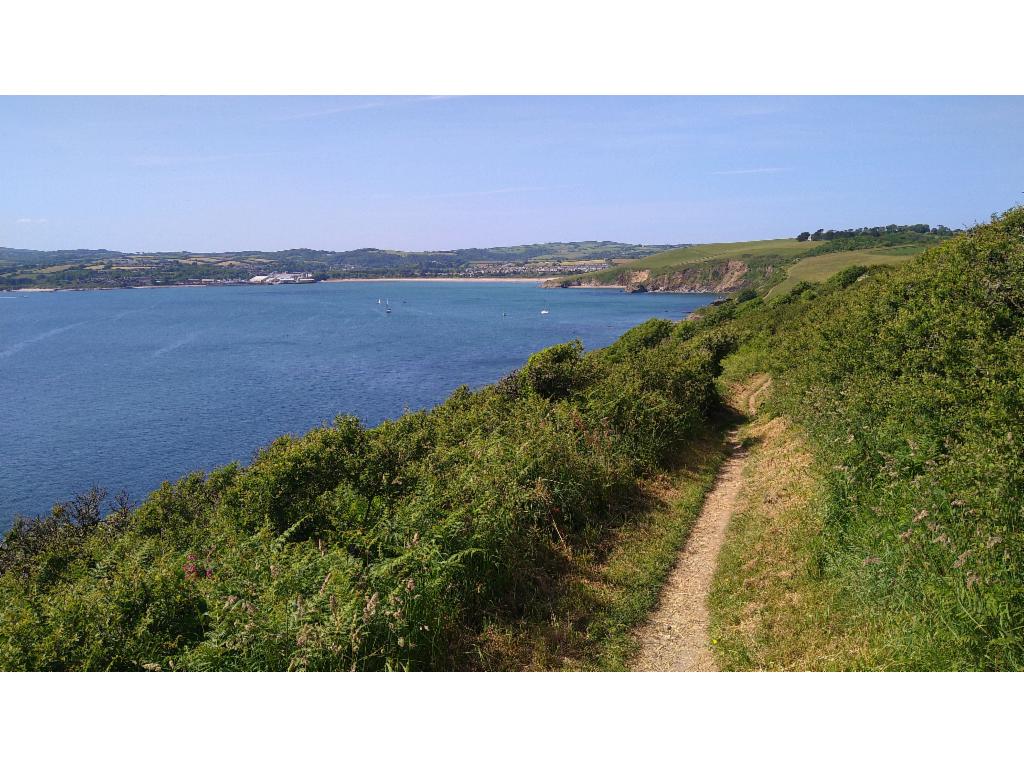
(124, 389)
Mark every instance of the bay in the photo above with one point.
(124, 389)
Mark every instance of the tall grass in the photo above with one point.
(909, 384)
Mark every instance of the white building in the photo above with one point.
(279, 278)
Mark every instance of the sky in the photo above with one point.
(419, 172)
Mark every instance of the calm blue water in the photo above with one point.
(124, 389)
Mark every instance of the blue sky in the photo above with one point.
(217, 173)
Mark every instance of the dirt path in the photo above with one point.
(675, 637)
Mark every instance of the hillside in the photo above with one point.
(905, 550)
(818, 269)
(717, 267)
(725, 267)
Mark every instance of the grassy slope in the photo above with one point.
(900, 546)
(588, 622)
(817, 269)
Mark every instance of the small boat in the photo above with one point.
(387, 308)
(544, 312)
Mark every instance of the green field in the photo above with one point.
(780, 251)
(817, 269)
(712, 251)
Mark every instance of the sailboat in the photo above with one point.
(387, 307)
(544, 312)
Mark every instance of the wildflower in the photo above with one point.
(371, 606)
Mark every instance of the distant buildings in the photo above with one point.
(281, 278)
(529, 268)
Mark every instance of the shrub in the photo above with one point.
(909, 385)
(556, 371)
(353, 548)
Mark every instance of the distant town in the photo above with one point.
(22, 269)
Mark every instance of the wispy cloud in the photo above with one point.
(746, 171)
(29, 222)
(379, 104)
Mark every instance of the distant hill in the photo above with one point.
(588, 249)
(770, 264)
(715, 267)
(83, 268)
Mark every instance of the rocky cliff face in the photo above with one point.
(703, 277)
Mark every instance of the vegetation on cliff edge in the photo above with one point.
(352, 548)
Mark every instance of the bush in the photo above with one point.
(910, 387)
(350, 548)
(556, 371)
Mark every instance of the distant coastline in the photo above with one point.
(537, 280)
(540, 281)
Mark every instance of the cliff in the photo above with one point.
(722, 276)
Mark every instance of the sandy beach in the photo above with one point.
(435, 280)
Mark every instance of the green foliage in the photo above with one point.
(556, 371)
(848, 276)
(909, 384)
(352, 548)
(876, 237)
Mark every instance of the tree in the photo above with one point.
(803, 236)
